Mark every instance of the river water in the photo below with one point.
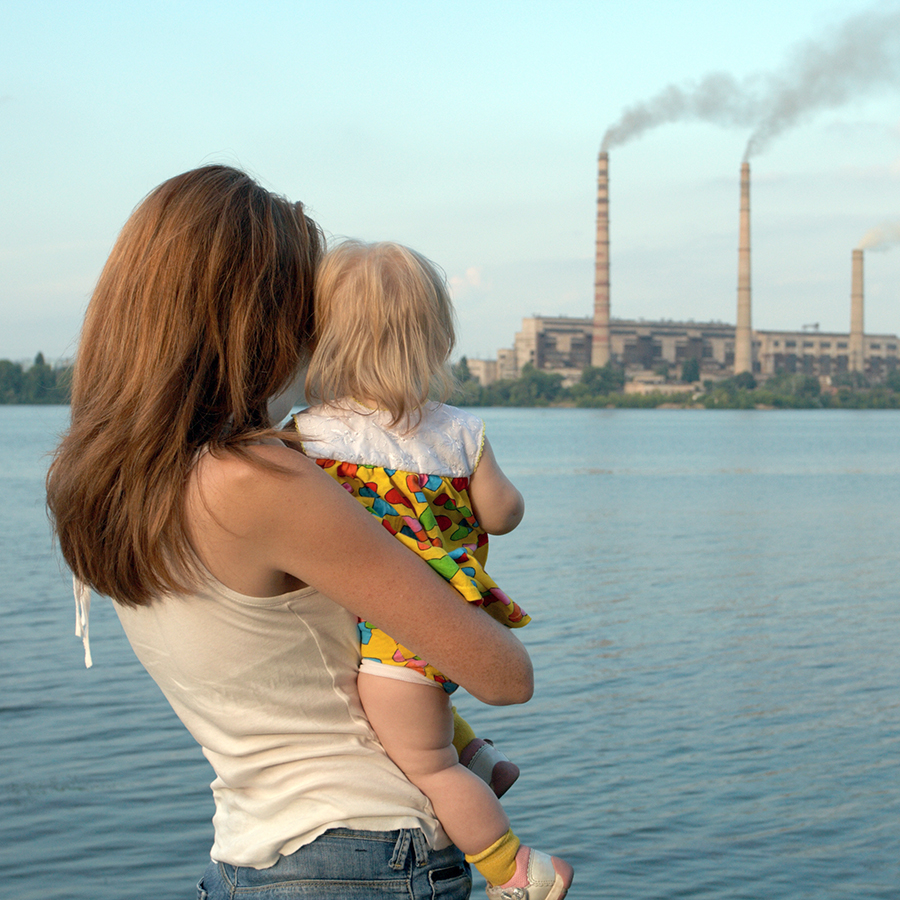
(716, 624)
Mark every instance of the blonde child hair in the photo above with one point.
(384, 329)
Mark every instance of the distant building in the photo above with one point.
(563, 345)
(483, 370)
(822, 353)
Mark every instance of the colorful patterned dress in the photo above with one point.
(417, 483)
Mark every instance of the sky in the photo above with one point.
(470, 131)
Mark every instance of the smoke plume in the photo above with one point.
(718, 98)
(880, 238)
(860, 55)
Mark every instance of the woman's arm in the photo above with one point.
(497, 503)
(262, 532)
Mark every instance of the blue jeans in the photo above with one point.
(348, 865)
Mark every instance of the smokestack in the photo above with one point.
(600, 341)
(857, 360)
(743, 360)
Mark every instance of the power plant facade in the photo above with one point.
(568, 345)
(563, 345)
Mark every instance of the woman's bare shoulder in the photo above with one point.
(240, 506)
(262, 467)
(250, 491)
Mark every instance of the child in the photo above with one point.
(384, 332)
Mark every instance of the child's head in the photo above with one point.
(384, 328)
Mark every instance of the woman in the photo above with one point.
(238, 567)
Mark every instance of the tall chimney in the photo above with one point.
(857, 359)
(600, 340)
(743, 361)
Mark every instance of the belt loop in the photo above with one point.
(401, 850)
(420, 847)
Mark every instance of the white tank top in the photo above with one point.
(267, 687)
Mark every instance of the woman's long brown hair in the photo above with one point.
(201, 314)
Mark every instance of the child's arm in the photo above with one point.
(496, 501)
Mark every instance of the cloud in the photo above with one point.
(462, 285)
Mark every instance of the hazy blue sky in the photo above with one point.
(468, 130)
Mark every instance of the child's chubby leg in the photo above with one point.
(414, 723)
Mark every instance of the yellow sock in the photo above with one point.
(497, 864)
(462, 733)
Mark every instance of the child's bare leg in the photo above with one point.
(414, 723)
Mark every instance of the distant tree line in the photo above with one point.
(786, 390)
(604, 387)
(37, 384)
(598, 387)
(41, 383)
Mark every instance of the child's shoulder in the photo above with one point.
(447, 420)
(334, 424)
(452, 418)
(450, 426)
(444, 440)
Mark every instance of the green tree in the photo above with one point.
(690, 370)
(604, 379)
(39, 383)
(736, 392)
(498, 393)
(535, 388)
(662, 369)
(461, 371)
(12, 381)
(468, 393)
(790, 390)
(853, 380)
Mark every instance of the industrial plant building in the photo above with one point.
(563, 345)
(568, 345)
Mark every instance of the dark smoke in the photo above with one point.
(718, 98)
(858, 56)
(861, 55)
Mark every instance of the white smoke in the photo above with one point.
(860, 55)
(880, 238)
